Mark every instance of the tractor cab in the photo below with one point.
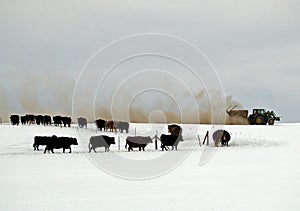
(260, 111)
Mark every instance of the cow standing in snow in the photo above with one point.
(60, 142)
(170, 140)
(137, 142)
(101, 141)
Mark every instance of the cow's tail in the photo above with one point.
(126, 145)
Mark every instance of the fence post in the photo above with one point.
(119, 143)
(206, 137)
(155, 140)
(207, 134)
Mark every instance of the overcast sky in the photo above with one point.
(254, 46)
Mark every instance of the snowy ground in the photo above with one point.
(259, 171)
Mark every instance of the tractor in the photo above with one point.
(262, 117)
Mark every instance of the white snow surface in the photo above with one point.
(259, 170)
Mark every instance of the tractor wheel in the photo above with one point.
(251, 120)
(259, 120)
(271, 121)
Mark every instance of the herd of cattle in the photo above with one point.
(140, 142)
(29, 119)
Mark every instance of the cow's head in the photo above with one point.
(74, 141)
(112, 140)
(149, 139)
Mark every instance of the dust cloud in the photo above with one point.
(52, 94)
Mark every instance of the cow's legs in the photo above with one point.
(70, 149)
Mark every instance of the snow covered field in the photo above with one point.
(259, 171)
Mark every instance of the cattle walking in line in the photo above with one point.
(100, 123)
(137, 142)
(59, 120)
(42, 140)
(82, 122)
(175, 130)
(60, 142)
(15, 119)
(221, 136)
(170, 140)
(121, 126)
(101, 141)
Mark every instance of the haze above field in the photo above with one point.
(254, 46)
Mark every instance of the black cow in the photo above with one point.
(137, 142)
(110, 125)
(100, 123)
(23, 120)
(42, 140)
(221, 136)
(82, 122)
(175, 130)
(47, 120)
(101, 141)
(66, 121)
(60, 142)
(57, 120)
(14, 119)
(170, 140)
(122, 126)
(39, 119)
(30, 118)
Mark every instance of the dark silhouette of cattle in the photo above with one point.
(60, 142)
(66, 121)
(101, 141)
(39, 119)
(222, 136)
(47, 120)
(175, 130)
(137, 142)
(42, 140)
(23, 120)
(170, 140)
(15, 119)
(30, 118)
(82, 122)
(110, 126)
(121, 126)
(57, 120)
(100, 123)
